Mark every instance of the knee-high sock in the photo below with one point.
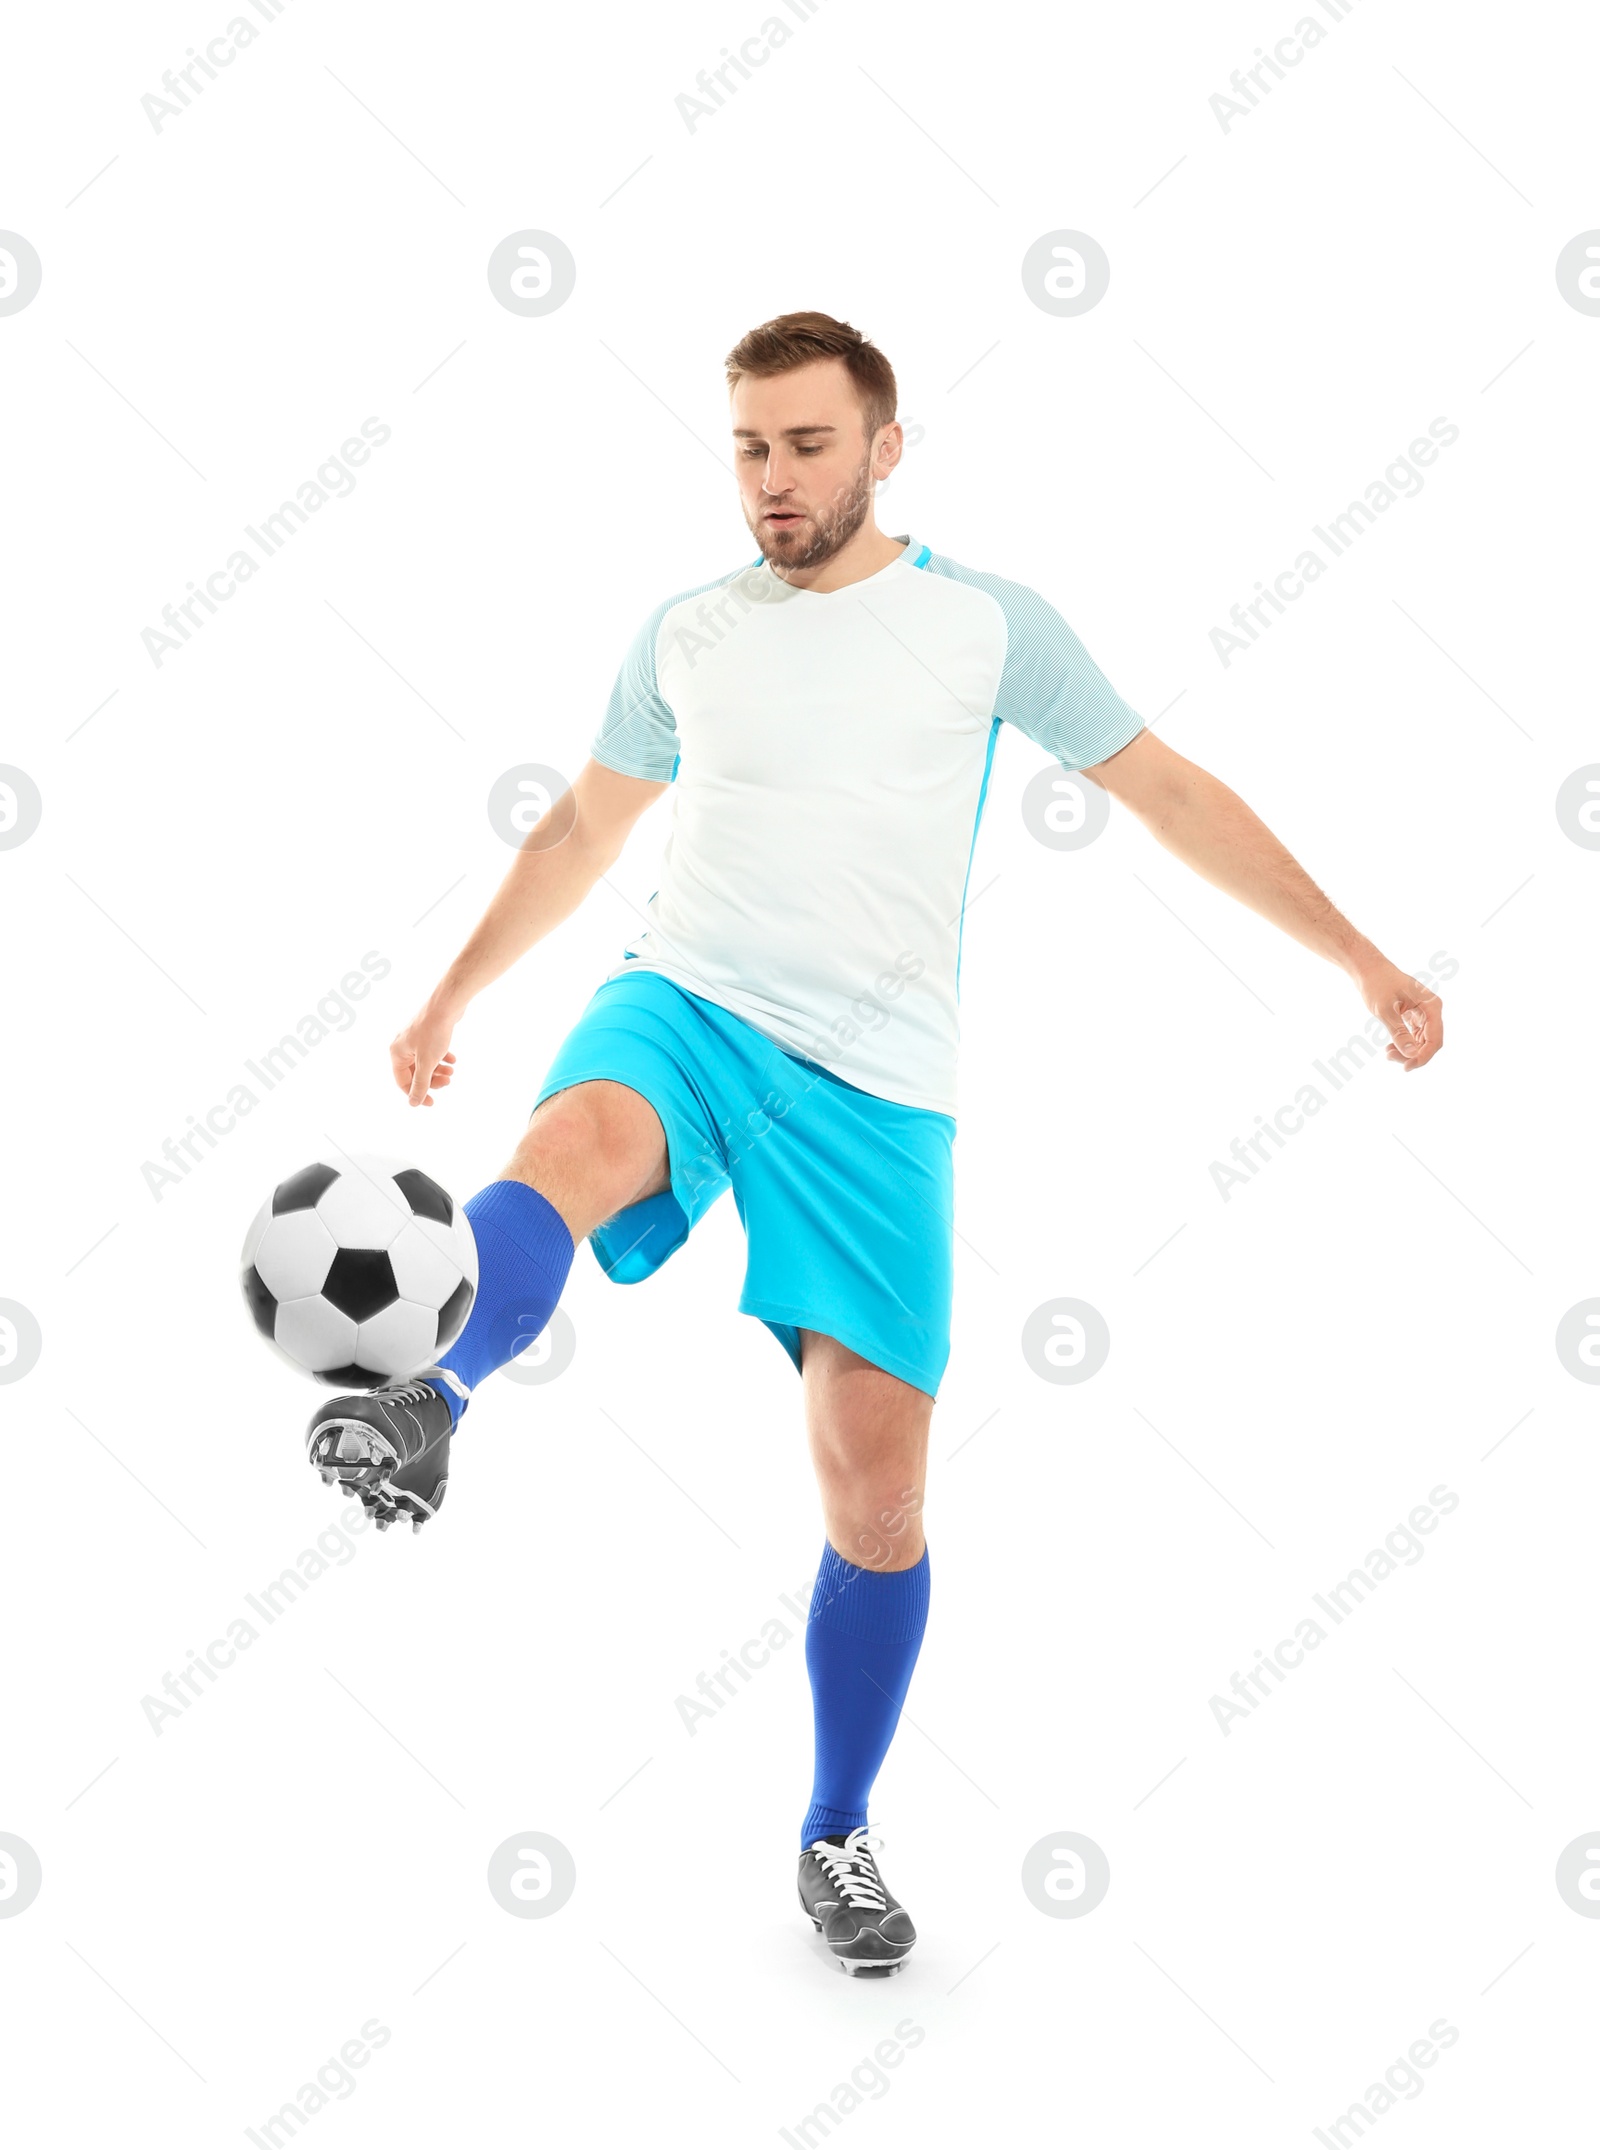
(862, 1641)
(524, 1254)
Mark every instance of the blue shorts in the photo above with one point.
(845, 1198)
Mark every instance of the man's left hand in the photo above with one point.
(1413, 1017)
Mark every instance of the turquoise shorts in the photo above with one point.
(845, 1198)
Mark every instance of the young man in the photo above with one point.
(787, 1026)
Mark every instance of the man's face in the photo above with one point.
(806, 468)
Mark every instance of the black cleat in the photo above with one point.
(844, 1896)
(390, 1446)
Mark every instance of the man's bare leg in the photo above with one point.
(590, 1151)
(869, 1443)
(869, 1447)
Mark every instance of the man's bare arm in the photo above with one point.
(565, 853)
(1199, 820)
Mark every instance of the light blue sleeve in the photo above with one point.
(1051, 689)
(638, 734)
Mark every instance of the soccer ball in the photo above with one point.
(361, 1271)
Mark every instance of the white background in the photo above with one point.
(227, 1903)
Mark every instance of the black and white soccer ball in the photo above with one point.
(360, 1271)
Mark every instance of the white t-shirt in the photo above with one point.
(830, 751)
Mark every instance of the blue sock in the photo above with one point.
(862, 1641)
(524, 1253)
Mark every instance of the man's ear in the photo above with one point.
(891, 444)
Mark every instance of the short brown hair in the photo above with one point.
(791, 340)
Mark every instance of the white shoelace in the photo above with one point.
(408, 1392)
(849, 1866)
(360, 1443)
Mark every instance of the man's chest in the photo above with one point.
(872, 693)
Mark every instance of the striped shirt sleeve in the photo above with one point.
(1052, 690)
(638, 734)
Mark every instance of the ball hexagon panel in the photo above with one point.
(422, 1270)
(361, 1209)
(400, 1339)
(314, 1333)
(454, 1240)
(295, 1254)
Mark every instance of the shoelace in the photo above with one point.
(408, 1392)
(850, 1868)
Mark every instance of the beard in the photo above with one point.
(825, 531)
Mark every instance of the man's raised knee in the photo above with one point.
(592, 1150)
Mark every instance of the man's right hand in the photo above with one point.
(421, 1056)
(563, 856)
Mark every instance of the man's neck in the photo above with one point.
(866, 553)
